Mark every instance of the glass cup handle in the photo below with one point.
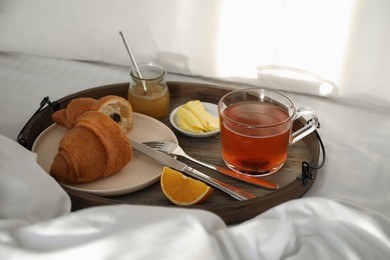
(307, 129)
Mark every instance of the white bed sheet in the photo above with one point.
(355, 135)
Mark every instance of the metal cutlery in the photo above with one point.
(180, 166)
(174, 149)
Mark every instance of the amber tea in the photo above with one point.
(261, 146)
(256, 129)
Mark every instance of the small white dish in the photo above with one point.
(210, 107)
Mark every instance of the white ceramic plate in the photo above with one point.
(210, 107)
(139, 173)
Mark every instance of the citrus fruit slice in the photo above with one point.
(182, 190)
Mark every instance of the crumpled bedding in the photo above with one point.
(35, 223)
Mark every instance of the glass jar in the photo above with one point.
(155, 101)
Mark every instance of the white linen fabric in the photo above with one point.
(310, 228)
(344, 42)
(27, 196)
(300, 229)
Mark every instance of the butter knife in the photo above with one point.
(180, 166)
(172, 148)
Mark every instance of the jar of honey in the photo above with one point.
(149, 94)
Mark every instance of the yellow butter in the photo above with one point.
(193, 117)
(188, 121)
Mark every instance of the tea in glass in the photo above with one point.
(256, 130)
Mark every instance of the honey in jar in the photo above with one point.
(154, 101)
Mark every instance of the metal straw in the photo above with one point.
(134, 62)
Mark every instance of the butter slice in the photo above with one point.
(194, 118)
(188, 121)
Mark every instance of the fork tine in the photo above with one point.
(154, 144)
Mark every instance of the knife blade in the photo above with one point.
(180, 166)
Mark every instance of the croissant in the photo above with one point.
(118, 108)
(67, 117)
(77, 107)
(59, 117)
(95, 148)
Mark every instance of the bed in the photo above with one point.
(344, 215)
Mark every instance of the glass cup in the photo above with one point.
(256, 129)
(155, 101)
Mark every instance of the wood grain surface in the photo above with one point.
(205, 149)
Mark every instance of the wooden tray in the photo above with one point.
(208, 150)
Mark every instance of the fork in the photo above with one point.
(174, 149)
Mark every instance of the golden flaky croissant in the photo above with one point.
(118, 108)
(67, 117)
(94, 148)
